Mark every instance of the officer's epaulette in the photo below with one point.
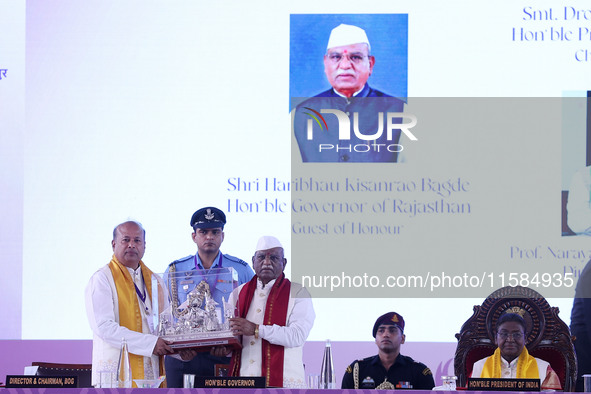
(236, 259)
(408, 358)
(181, 260)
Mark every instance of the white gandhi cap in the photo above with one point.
(347, 35)
(268, 242)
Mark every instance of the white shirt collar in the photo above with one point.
(508, 364)
(266, 287)
(354, 94)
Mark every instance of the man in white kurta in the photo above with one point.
(257, 334)
(103, 308)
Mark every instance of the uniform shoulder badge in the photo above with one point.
(427, 372)
(349, 369)
(410, 359)
(181, 260)
(236, 259)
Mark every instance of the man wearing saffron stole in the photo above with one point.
(119, 305)
(511, 358)
(274, 317)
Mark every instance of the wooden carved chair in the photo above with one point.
(82, 371)
(547, 336)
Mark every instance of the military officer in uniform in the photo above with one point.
(389, 369)
(208, 233)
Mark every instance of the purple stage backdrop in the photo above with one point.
(218, 391)
(15, 355)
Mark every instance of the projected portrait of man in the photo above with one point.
(351, 121)
(348, 64)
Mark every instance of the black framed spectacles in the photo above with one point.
(514, 335)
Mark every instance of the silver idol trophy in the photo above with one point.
(198, 322)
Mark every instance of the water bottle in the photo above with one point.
(327, 376)
(124, 368)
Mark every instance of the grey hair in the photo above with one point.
(129, 221)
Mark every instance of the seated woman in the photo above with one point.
(511, 359)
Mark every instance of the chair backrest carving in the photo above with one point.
(547, 336)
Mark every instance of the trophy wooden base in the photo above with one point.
(205, 344)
